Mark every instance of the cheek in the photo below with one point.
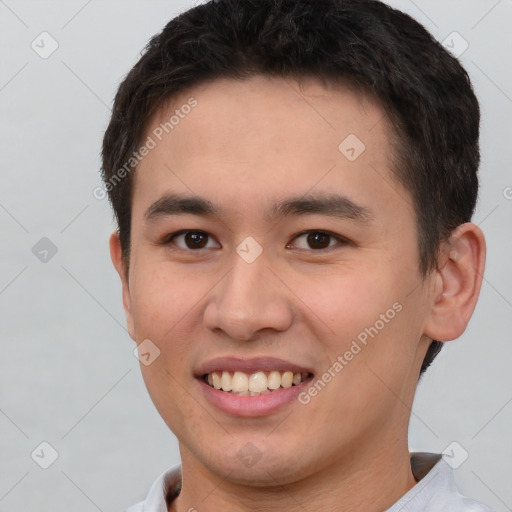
(368, 318)
(161, 301)
(166, 308)
(163, 308)
(346, 302)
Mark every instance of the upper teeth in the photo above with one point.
(257, 382)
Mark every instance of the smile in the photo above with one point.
(252, 387)
(255, 383)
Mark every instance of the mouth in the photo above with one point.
(254, 383)
(255, 387)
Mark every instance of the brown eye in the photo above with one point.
(317, 240)
(194, 240)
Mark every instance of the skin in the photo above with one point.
(247, 144)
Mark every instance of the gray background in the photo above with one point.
(67, 372)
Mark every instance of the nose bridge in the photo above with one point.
(244, 290)
(248, 300)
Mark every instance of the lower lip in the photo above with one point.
(252, 406)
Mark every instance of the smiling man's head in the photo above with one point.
(293, 182)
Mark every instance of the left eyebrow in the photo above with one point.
(333, 205)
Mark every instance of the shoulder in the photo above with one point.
(444, 495)
(456, 502)
(462, 504)
(136, 508)
(436, 490)
(164, 488)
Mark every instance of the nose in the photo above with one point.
(249, 301)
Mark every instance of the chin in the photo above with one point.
(255, 461)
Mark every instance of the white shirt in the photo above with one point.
(434, 492)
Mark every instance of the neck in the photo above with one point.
(372, 481)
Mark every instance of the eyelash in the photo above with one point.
(168, 240)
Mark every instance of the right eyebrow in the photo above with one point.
(175, 204)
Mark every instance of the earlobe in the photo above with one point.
(458, 282)
(116, 254)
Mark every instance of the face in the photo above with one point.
(270, 236)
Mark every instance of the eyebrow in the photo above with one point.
(333, 205)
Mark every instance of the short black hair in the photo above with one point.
(424, 90)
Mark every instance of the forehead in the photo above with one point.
(244, 141)
(262, 106)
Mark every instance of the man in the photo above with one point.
(293, 182)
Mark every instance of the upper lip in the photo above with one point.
(249, 365)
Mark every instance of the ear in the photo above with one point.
(116, 253)
(457, 283)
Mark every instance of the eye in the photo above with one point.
(195, 240)
(190, 240)
(318, 240)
